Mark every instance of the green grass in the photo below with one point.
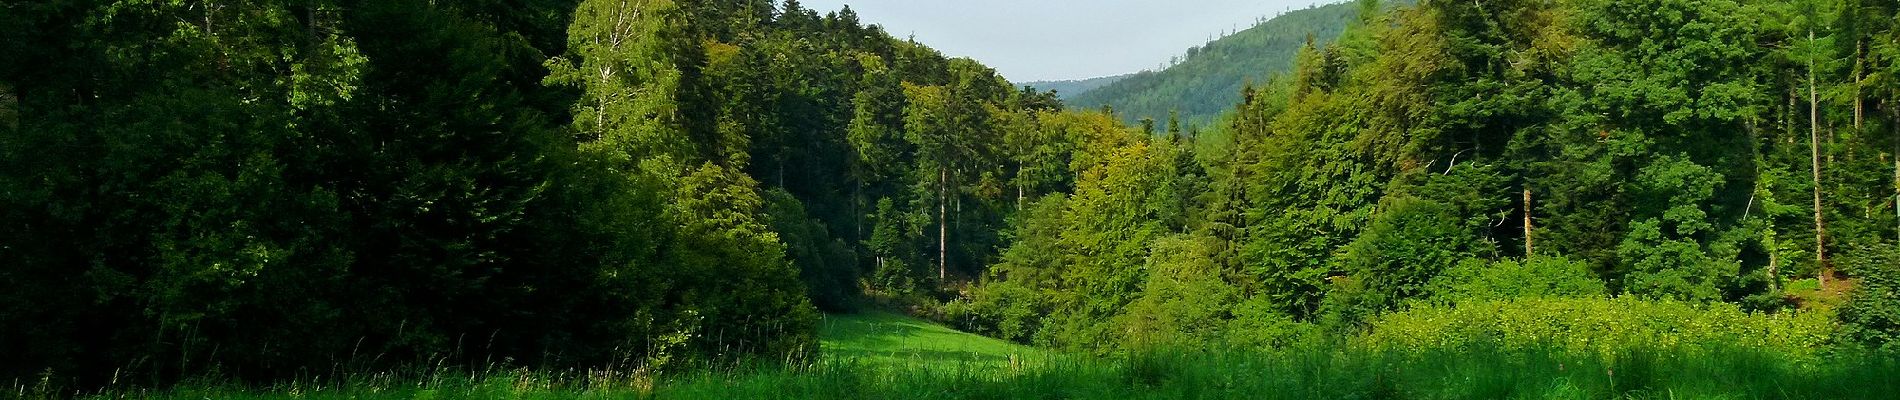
(883, 338)
(1336, 373)
(880, 355)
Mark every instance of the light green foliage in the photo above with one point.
(1537, 277)
(1106, 245)
(890, 340)
(624, 61)
(1185, 299)
(1605, 327)
(1258, 323)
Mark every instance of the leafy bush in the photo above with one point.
(1259, 324)
(1674, 253)
(1407, 246)
(1598, 326)
(1184, 301)
(1506, 279)
(1872, 315)
(1002, 309)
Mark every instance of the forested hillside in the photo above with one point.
(1206, 80)
(1454, 154)
(1069, 89)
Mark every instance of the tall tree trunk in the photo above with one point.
(857, 211)
(1019, 185)
(943, 231)
(1774, 278)
(1859, 80)
(1527, 222)
(1814, 148)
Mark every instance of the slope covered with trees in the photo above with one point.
(1707, 152)
(1205, 82)
(1069, 89)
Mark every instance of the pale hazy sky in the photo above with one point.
(1032, 40)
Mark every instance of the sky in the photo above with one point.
(1036, 40)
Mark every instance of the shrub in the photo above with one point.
(1003, 309)
(1600, 326)
(1408, 245)
(1184, 301)
(1872, 313)
(1535, 277)
(1258, 323)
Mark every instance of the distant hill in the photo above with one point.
(1208, 80)
(1071, 88)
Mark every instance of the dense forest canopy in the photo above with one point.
(269, 187)
(264, 189)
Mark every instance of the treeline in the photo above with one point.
(275, 188)
(1697, 151)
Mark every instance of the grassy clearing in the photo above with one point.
(877, 338)
(880, 355)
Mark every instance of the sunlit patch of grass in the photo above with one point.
(886, 339)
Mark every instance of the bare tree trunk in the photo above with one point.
(1814, 148)
(1774, 279)
(1019, 185)
(943, 231)
(1859, 105)
(857, 211)
(1527, 222)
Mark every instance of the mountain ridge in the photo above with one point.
(1208, 80)
(1069, 88)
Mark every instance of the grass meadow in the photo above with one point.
(888, 356)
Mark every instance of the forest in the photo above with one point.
(687, 198)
